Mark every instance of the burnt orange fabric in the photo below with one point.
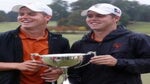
(30, 45)
(93, 37)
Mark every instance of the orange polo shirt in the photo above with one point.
(30, 45)
(93, 37)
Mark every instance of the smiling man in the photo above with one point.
(122, 55)
(32, 36)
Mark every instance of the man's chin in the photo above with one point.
(26, 26)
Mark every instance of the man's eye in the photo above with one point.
(90, 15)
(98, 15)
(32, 14)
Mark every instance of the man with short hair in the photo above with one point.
(121, 55)
(32, 36)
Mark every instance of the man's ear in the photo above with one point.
(48, 17)
(117, 18)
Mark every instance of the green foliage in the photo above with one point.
(69, 14)
(145, 13)
(12, 17)
(75, 18)
(63, 22)
(124, 19)
(82, 4)
(132, 11)
(2, 16)
(59, 9)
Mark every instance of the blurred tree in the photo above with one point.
(12, 16)
(124, 19)
(82, 4)
(124, 6)
(60, 9)
(144, 13)
(3, 16)
(69, 14)
(74, 17)
(132, 11)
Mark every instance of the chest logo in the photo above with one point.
(117, 45)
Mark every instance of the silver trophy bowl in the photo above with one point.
(63, 60)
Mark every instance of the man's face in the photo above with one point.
(100, 22)
(30, 19)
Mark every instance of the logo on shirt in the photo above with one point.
(117, 45)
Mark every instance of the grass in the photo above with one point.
(5, 26)
(145, 78)
(73, 37)
(143, 27)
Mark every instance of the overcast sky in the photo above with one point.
(6, 5)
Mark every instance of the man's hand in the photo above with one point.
(104, 60)
(29, 65)
(51, 74)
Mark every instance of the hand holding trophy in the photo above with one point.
(63, 60)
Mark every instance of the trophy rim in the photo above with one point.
(63, 55)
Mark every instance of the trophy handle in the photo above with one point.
(37, 54)
(91, 52)
(82, 65)
(33, 55)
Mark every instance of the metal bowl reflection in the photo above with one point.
(63, 60)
